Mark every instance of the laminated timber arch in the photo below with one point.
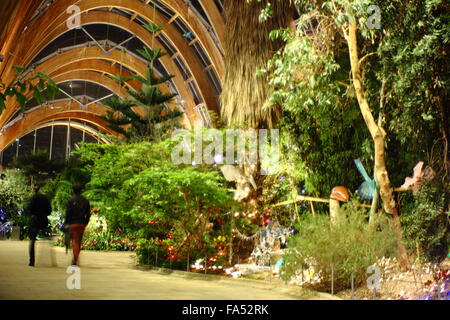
(92, 58)
(122, 22)
(56, 16)
(13, 17)
(72, 124)
(36, 116)
(214, 16)
(94, 54)
(97, 71)
(82, 70)
(46, 27)
(104, 67)
(91, 76)
(63, 109)
(55, 22)
(53, 112)
(98, 78)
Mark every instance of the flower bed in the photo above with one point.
(104, 241)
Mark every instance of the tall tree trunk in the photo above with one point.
(247, 50)
(379, 137)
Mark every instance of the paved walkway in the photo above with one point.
(113, 275)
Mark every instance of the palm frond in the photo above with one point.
(248, 48)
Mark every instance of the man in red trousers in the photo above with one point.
(77, 217)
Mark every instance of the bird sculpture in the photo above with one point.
(368, 188)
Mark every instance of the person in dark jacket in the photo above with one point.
(77, 217)
(39, 208)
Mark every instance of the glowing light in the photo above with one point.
(218, 159)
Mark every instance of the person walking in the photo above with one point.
(77, 217)
(38, 208)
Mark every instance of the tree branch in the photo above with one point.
(366, 56)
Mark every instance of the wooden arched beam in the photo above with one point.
(104, 67)
(59, 26)
(55, 111)
(62, 107)
(91, 76)
(87, 76)
(56, 15)
(120, 21)
(91, 53)
(146, 12)
(95, 77)
(191, 19)
(14, 16)
(71, 123)
(215, 17)
(133, 28)
(95, 70)
(82, 116)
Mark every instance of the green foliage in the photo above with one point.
(23, 88)
(14, 191)
(425, 221)
(153, 28)
(108, 241)
(150, 252)
(38, 166)
(151, 55)
(144, 195)
(157, 118)
(321, 120)
(349, 246)
(413, 60)
(405, 66)
(60, 188)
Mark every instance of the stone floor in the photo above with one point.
(114, 276)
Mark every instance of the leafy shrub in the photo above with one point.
(425, 221)
(60, 188)
(14, 192)
(348, 246)
(38, 166)
(143, 195)
(150, 252)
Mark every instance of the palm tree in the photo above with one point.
(247, 50)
